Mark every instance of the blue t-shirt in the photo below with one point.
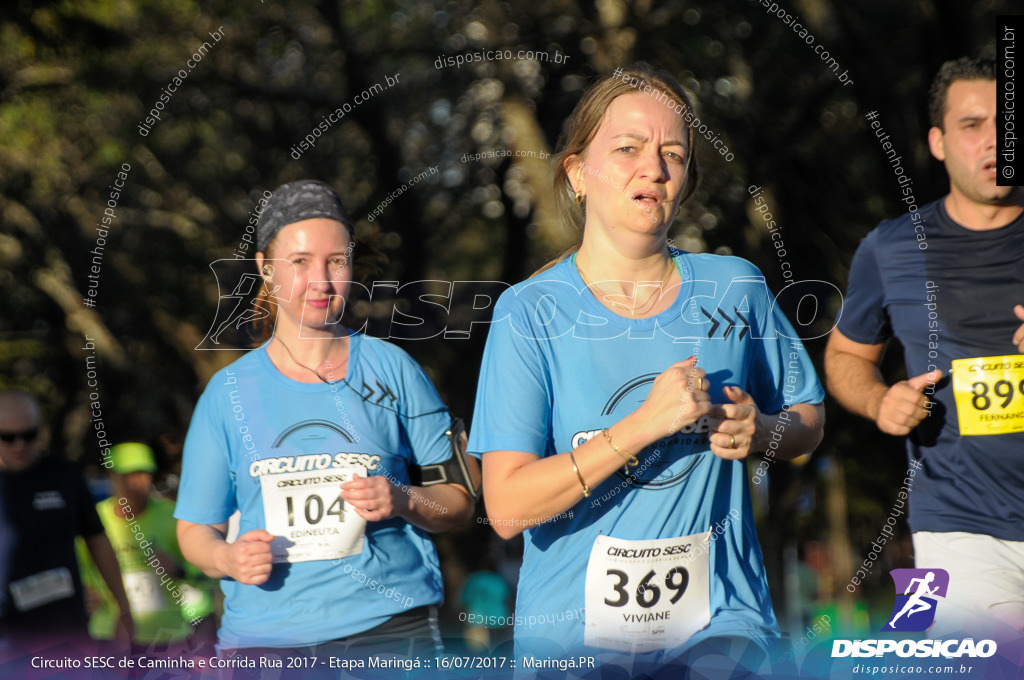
(385, 409)
(951, 299)
(559, 367)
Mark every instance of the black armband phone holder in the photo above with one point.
(453, 470)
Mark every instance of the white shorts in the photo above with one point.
(986, 584)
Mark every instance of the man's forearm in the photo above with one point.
(855, 382)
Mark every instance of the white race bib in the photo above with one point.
(144, 592)
(643, 596)
(42, 588)
(308, 517)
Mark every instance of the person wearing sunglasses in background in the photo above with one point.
(44, 505)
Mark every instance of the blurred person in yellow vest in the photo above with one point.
(169, 598)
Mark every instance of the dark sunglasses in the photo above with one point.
(26, 436)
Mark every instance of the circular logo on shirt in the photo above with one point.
(314, 436)
(312, 445)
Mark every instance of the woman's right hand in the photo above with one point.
(678, 398)
(248, 560)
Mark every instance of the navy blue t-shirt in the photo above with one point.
(947, 292)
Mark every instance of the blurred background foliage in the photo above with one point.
(77, 78)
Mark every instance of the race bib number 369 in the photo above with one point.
(308, 517)
(643, 596)
(989, 393)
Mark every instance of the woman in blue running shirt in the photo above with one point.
(311, 437)
(622, 388)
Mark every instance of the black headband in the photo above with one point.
(303, 199)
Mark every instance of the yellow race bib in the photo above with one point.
(989, 393)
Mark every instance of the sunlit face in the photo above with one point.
(633, 170)
(310, 261)
(21, 421)
(968, 143)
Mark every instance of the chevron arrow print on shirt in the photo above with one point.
(384, 391)
(732, 323)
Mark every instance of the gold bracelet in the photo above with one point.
(630, 457)
(586, 489)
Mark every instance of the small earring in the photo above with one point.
(267, 270)
(579, 180)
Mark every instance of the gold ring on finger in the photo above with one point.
(732, 441)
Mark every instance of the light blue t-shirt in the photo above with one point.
(559, 367)
(386, 409)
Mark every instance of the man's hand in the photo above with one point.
(903, 405)
(1018, 337)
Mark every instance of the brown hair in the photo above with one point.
(263, 326)
(586, 118)
(964, 68)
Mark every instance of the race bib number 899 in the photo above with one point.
(989, 393)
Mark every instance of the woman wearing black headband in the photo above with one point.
(312, 437)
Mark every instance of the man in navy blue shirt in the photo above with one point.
(943, 281)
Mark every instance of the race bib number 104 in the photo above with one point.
(308, 517)
(643, 596)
